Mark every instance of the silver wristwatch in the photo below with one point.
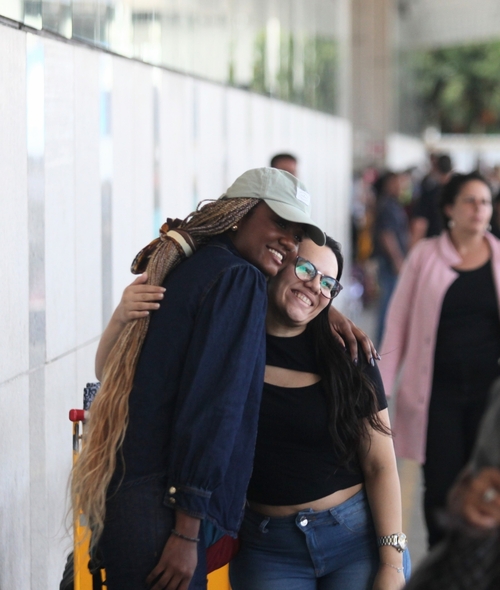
(397, 540)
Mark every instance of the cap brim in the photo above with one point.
(290, 213)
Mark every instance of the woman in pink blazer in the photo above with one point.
(442, 339)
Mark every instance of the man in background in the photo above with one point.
(285, 162)
(426, 221)
(390, 239)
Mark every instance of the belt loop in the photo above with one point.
(263, 525)
(332, 512)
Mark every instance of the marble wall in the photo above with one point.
(95, 151)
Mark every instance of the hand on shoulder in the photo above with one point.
(138, 300)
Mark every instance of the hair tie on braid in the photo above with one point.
(181, 237)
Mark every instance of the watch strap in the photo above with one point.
(391, 541)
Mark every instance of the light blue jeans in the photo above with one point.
(335, 549)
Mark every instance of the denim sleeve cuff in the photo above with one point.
(190, 500)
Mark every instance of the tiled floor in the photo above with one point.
(413, 523)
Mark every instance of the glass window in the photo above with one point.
(288, 49)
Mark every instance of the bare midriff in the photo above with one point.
(325, 503)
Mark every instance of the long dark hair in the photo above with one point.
(351, 399)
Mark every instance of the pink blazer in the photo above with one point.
(412, 320)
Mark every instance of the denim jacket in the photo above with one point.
(194, 406)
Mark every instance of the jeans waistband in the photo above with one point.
(312, 515)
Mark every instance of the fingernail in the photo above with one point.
(164, 289)
(355, 361)
(372, 361)
(379, 358)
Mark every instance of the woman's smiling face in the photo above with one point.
(266, 240)
(294, 303)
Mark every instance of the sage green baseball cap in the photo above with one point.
(282, 192)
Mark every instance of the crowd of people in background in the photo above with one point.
(438, 325)
(391, 212)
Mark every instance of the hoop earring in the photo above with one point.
(234, 228)
(451, 223)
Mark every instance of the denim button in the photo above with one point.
(303, 521)
(172, 490)
(171, 500)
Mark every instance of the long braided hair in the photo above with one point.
(108, 421)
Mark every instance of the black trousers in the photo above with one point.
(453, 424)
(137, 526)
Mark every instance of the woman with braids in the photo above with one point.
(172, 431)
(324, 507)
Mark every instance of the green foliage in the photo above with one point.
(307, 72)
(259, 65)
(320, 73)
(456, 89)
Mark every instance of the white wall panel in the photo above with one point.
(305, 143)
(333, 164)
(210, 140)
(143, 145)
(340, 182)
(88, 229)
(14, 288)
(239, 134)
(60, 385)
(85, 372)
(342, 178)
(59, 199)
(279, 128)
(15, 550)
(123, 198)
(319, 148)
(176, 145)
(403, 152)
(299, 135)
(260, 121)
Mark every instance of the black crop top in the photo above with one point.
(469, 325)
(295, 461)
(468, 337)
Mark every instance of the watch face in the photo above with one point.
(402, 541)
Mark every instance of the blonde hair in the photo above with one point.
(108, 421)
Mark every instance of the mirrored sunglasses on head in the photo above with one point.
(306, 271)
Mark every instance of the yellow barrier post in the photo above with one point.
(82, 576)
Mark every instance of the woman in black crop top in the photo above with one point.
(325, 489)
(325, 485)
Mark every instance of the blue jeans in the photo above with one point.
(137, 526)
(387, 280)
(327, 550)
